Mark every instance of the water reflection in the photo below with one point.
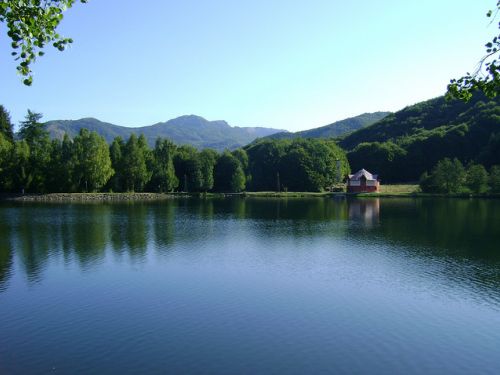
(463, 228)
(5, 257)
(87, 236)
(366, 211)
(32, 234)
(163, 225)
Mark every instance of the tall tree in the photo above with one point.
(242, 157)
(20, 167)
(116, 151)
(6, 124)
(311, 165)
(476, 178)
(229, 175)
(37, 138)
(494, 181)
(31, 25)
(164, 178)
(32, 130)
(264, 163)
(135, 166)
(55, 181)
(188, 168)
(448, 176)
(92, 164)
(60, 172)
(208, 158)
(66, 161)
(148, 155)
(5, 156)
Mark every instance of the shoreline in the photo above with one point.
(138, 197)
(86, 197)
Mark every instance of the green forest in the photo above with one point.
(33, 163)
(451, 177)
(410, 142)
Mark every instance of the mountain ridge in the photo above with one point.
(187, 129)
(337, 128)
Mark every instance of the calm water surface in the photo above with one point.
(251, 286)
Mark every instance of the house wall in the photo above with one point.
(362, 189)
(369, 187)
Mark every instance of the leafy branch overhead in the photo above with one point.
(486, 76)
(31, 25)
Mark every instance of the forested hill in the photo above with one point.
(335, 129)
(192, 130)
(403, 145)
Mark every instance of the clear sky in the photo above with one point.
(279, 63)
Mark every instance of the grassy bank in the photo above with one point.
(399, 189)
(388, 191)
(385, 191)
(394, 191)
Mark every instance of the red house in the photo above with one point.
(363, 182)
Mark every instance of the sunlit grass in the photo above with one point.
(399, 189)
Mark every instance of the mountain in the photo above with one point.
(193, 130)
(336, 129)
(407, 143)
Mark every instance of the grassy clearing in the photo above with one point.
(399, 189)
(294, 194)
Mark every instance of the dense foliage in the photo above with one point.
(450, 176)
(486, 76)
(31, 25)
(405, 144)
(295, 165)
(6, 124)
(86, 163)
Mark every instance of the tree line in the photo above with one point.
(31, 162)
(450, 176)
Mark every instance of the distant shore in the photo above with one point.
(86, 197)
(387, 191)
(125, 197)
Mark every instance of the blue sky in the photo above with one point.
(279, 63)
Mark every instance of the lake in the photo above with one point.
(255, 285)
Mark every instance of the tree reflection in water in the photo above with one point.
(32, 234)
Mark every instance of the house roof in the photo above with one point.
(363, 172)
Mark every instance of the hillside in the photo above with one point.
(335, 129)
(193, 130)
(403, 145)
